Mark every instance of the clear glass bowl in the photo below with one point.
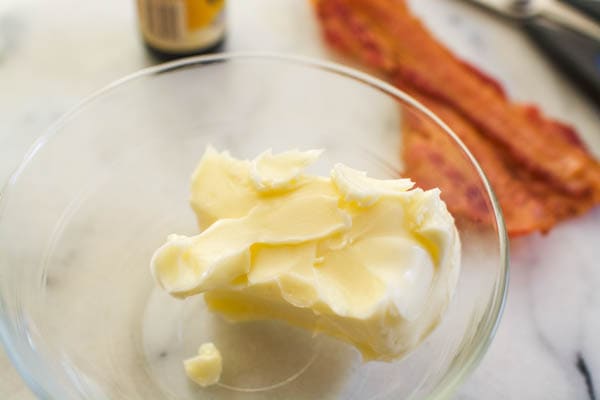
(80, 315)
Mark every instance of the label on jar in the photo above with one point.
(182, 25)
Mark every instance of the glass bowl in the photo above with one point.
(80, 315)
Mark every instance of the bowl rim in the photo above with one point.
(486, 331)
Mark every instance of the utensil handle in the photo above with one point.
(589, 7)
(577, 54)
(569, 17)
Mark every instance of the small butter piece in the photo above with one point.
(357, 187)
(280, 171)
(205, 369)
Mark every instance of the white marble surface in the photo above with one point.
(52, 54)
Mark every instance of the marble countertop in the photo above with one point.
(52, 54)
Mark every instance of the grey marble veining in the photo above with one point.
(53, 54)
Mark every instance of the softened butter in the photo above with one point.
(371, 262)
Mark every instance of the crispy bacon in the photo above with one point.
(526, 211)
(529, 204)
(539, 168)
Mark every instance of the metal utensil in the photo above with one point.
(590, 7)
(559, 12)
(566, 33)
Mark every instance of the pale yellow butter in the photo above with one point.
(272, 172)
(370, 262)
(205, 368)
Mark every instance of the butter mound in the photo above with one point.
(205, 369)
(371, 262)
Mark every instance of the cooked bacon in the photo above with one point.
(528, 203)
(396, 40)
(457, 179)
(539, 168)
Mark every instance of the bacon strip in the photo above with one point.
(528, 203)
(526, 210)
(539, 168)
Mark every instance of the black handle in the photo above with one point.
(589, 7)
(577, 54)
